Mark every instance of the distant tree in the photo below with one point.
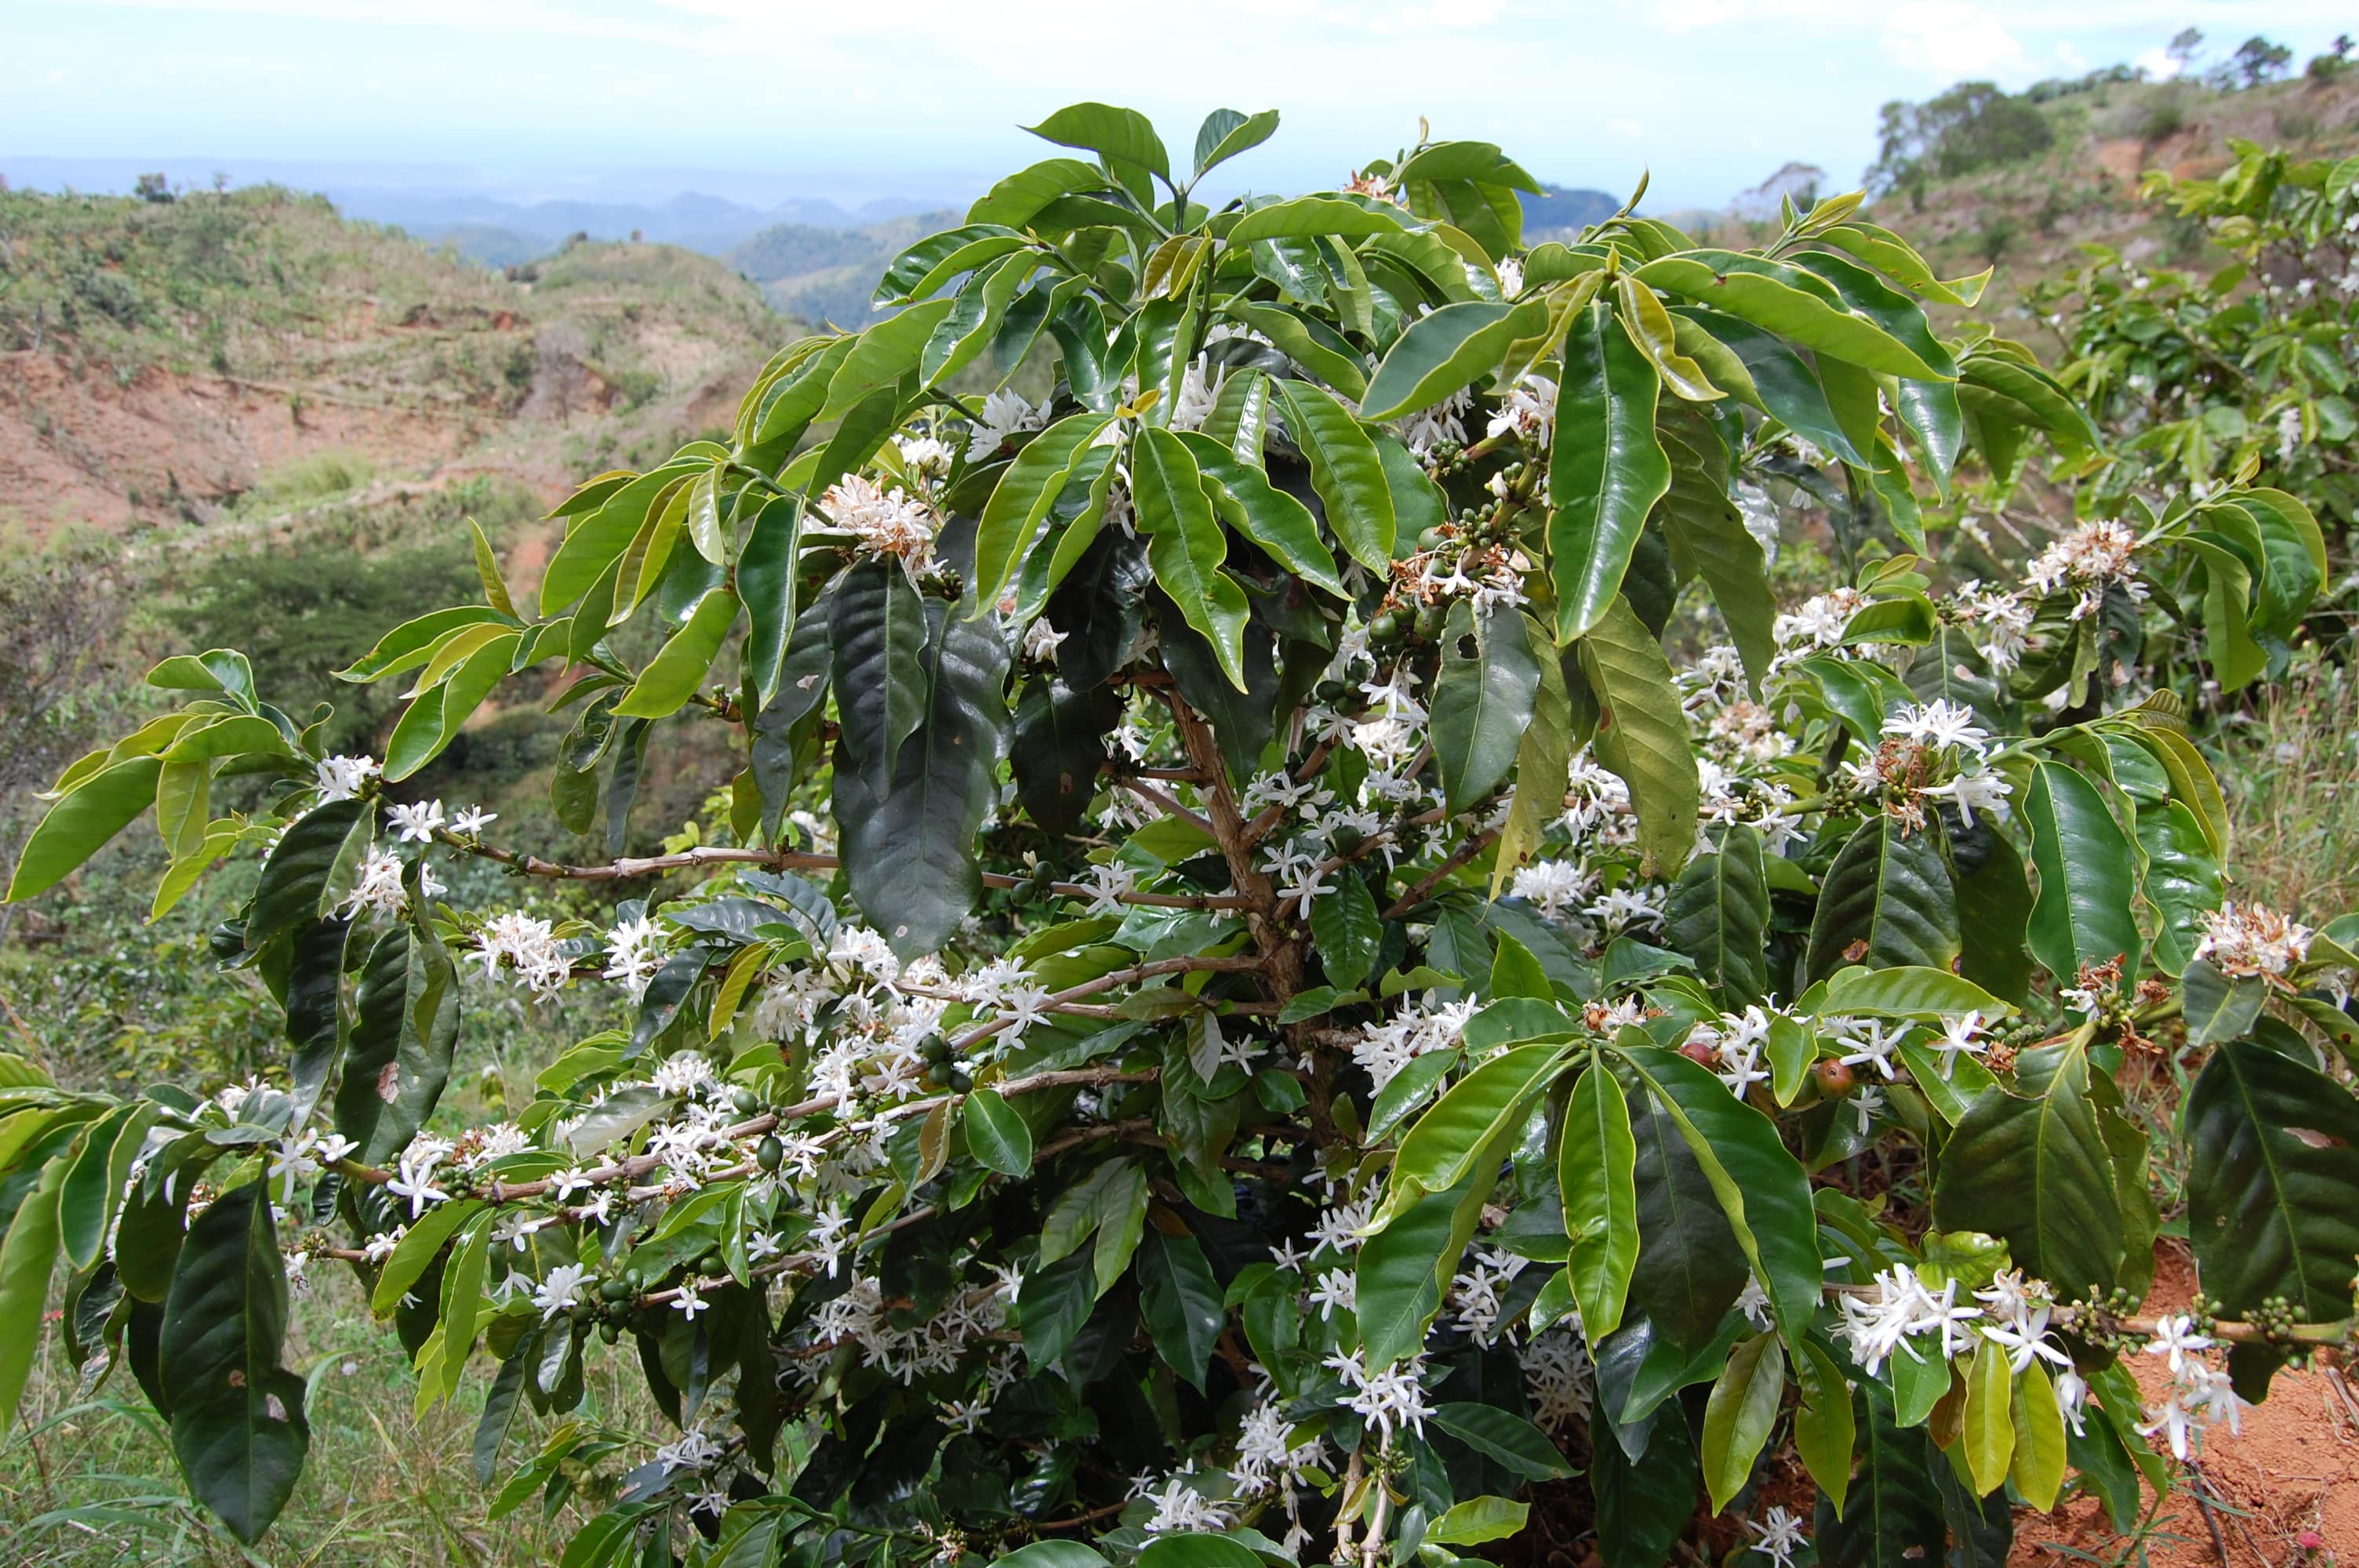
(2324, 67)
(153, 187)
(2183, 47)
(1974, 126)
(2257, 60)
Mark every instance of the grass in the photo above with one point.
(2289, 768)
(88, 1480)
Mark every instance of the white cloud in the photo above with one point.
(1629, 130)
(1952, 40)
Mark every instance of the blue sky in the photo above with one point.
(921, 97)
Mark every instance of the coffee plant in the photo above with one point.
(2196, 376)
(1243, 1008)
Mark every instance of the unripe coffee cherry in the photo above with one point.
(769, 1154)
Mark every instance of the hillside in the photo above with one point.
(160, 359)
(2028, 217)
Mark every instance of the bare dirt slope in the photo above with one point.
(161, 360)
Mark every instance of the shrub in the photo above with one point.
(1238, 1007)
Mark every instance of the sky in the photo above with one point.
(923, 98)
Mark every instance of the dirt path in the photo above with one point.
(2286, 1492)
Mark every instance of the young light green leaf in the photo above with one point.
(1606, 469)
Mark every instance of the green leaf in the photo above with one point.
(1303, 216)
(881, 355)
(1060, 749)
(27, 1254)
(1708, 536)
(1644, 1506)
(1306, 340)
(1738, 1415)
(1761, 1187)
(1719, 916)
(933, 261)
(1403, 1271)
(1823, 1428)
(1989, 1437)
(1347, 930)
(1449, 1140)
(679, 667)
(1893, 1513)
(1278, 523)
(1595, 1171)
(1478, 1520)
(766, 582)
(1122, 135)
(1019, 506)
(1483, 701)
(1444, 353)
(1642, 731)
(1690, 1270)
(2275, 1148)
(73, 830)
(2037, 1470)
(1891, 890)
(1907, 991)
(2086, 912)
(910, 844)
(997, 1135)
(1226, 132)
(292, 890)
(2181, 881)
(1543, 760)
(435, 718)
(93, 1186)
(1606, 469)
(877, 628)
(1185, 545)
(1796, 305)
(1345, 471)
(1504, 1438)
(1182, 1303)
(238, 1428)
(1994, 913)
(976, 313)
(405, 1026)
(2036, 1171)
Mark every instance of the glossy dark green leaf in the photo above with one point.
(766, 582)
(1013, 518)
(1185, 547)
(1606, 469)
(1226, 132)
(2086, 912)
(1482, 701)
(877, 627)
(1993, 912)
(1893, 1513)
(1182, 1303)
(1801, 306)
(1443, 353)
(996, 1134)
(909, 845)
(1116, 133)
(1504, 1438)
(2276, 1160)
(1642, 731)
(1345, 471)
(238, 1427)
(1281, 526)
(1596, 1169)
(2035, 1171)
(1403, 1271)
(73, 828)
(1348, 929)
(1760, 1186)
(1059, 748)
(2180, 879)
(1739, 1413)
(405, 1026)
(1643, 1506)
(1719, 916)
(1891, 890)
(1708, 536)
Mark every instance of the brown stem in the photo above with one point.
(1170, 805)
(1433, 879)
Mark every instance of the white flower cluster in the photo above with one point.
(2241, 940)
(634, 954)
(1445, 421)
(1529, 409)
(2002, 618)
(886, 523)
(527, 945)
(908, 1351)
(2092, 558)
(1816, 625)
(342, 778)
(378, 889)
(1419, 1028)
(2201, 1395)
(1005, 414)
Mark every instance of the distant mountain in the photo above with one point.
(1566, 210)
(819, 273)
